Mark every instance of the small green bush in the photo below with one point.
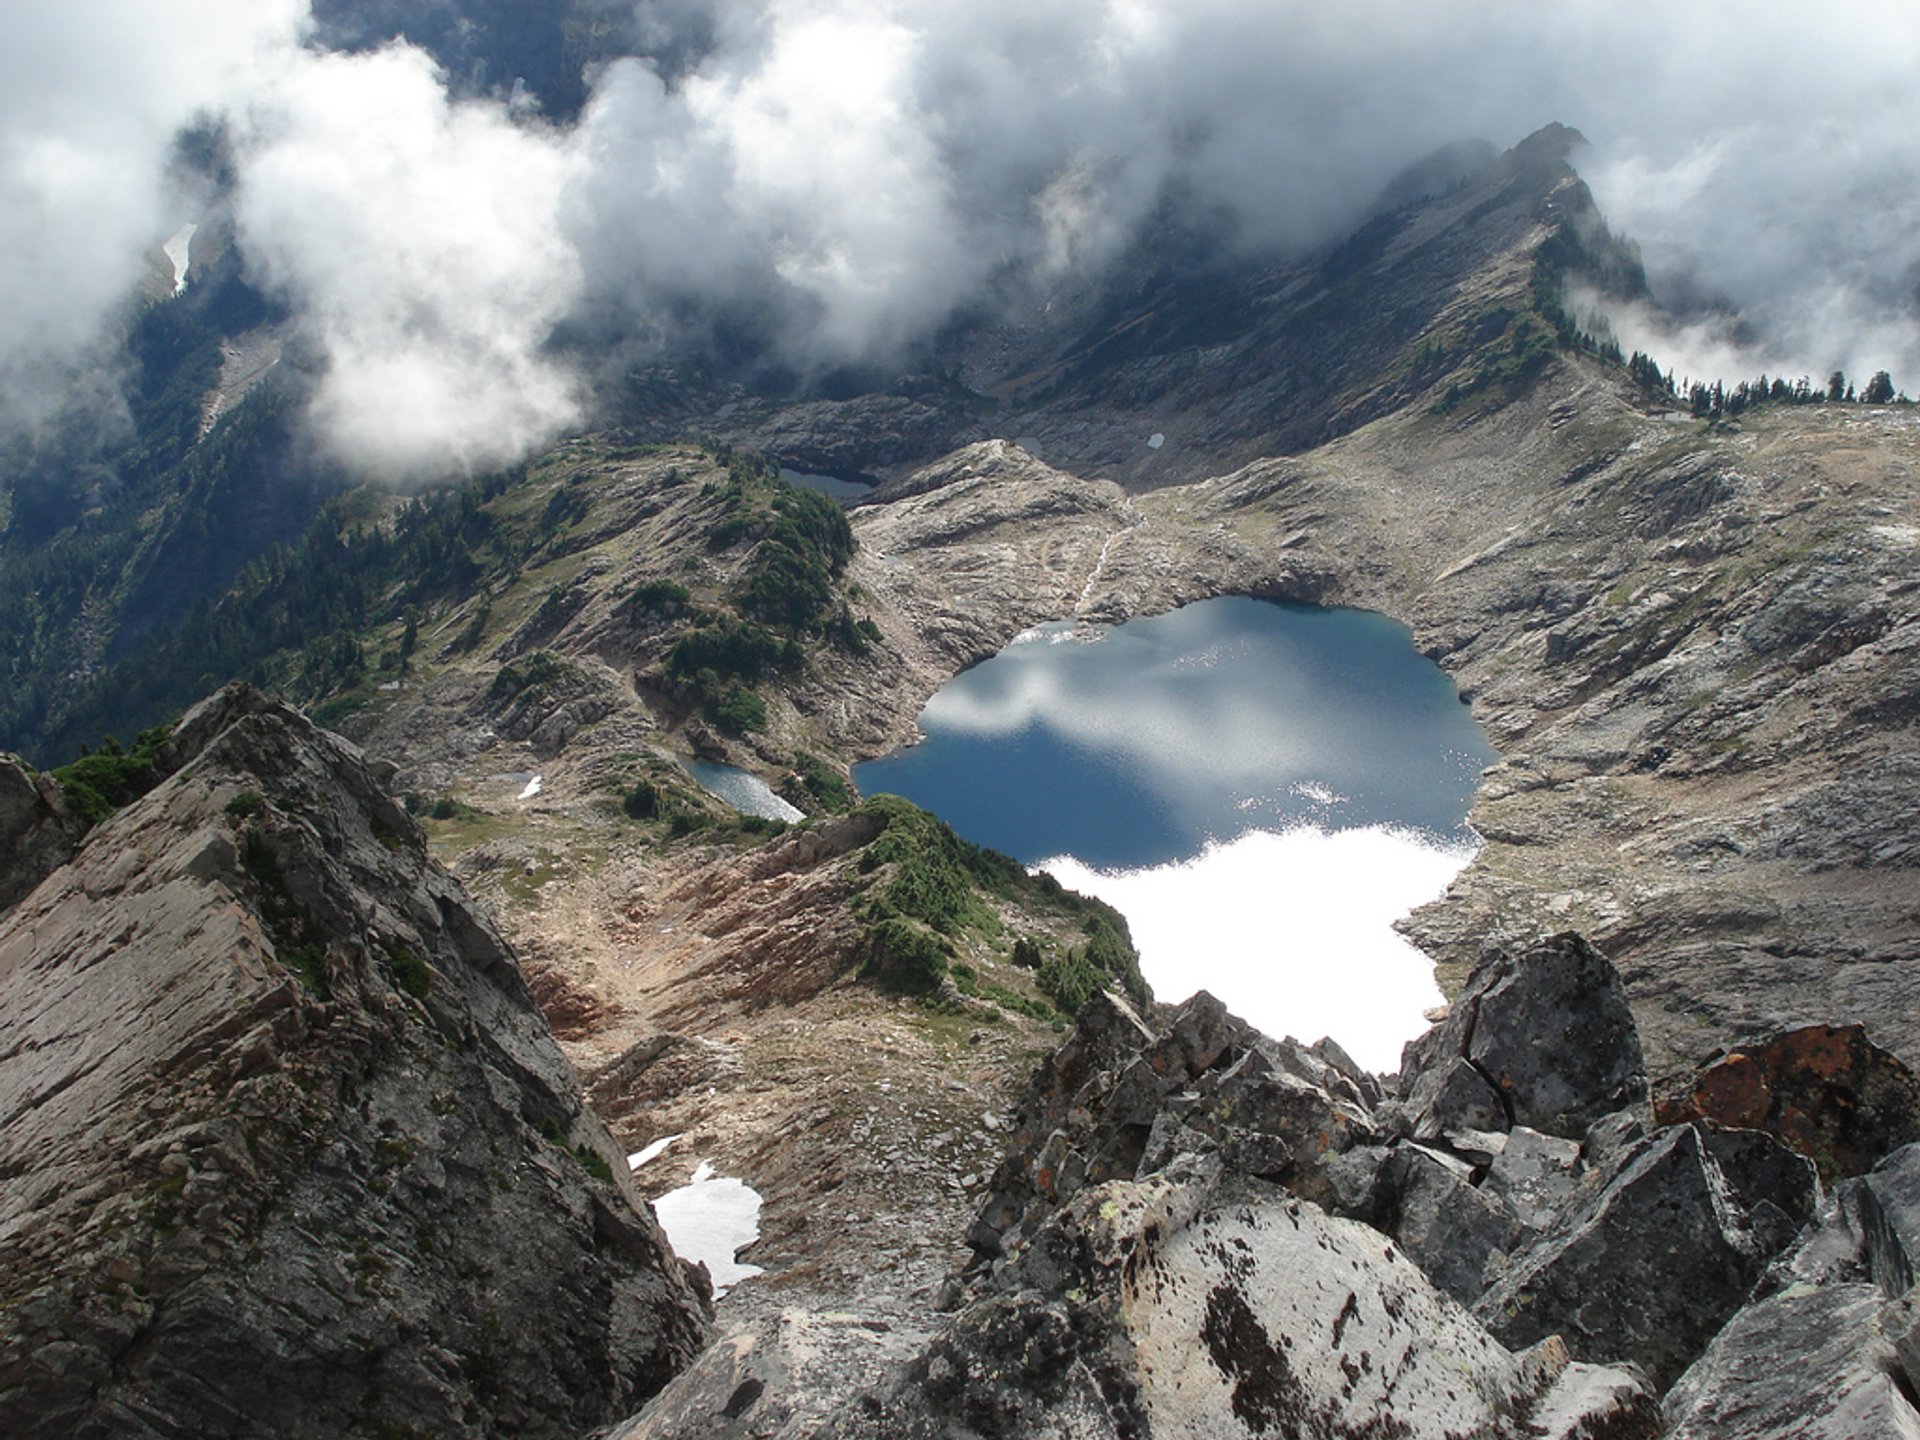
(686, 822)
(100, 782)
(824, 783)
(412, 973)
(536, 671)
(737, 710)
(904, 957)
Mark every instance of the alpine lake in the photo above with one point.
(1261, 789)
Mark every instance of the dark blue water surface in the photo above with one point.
(1135, 745)
(829, 485)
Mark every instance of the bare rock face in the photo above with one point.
(1828, 1347)
(1828, 1092)
(1122, 1098)
(1645, 1264)
(1810, 1364)
(37, 830)
(285, 1146)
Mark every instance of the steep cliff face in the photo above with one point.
(287, 1148)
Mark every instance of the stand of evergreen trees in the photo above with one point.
(1720, 400)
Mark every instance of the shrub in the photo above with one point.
(642, 802)
(99, 783)
(904, 957)
(730, 650)
(1068, 980)
(539, 669)
(824, 783)
(660, 596)
(737, 710)
(410, 972)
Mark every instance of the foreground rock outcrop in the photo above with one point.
(1830, 1345)
(1306, 1324)
(286, 1147)
(1199, 1230)
(1827, 1091)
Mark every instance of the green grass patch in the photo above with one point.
(409, 971)
(829, 788)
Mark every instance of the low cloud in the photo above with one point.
(852, 176)
(417, 241)
(92, 96)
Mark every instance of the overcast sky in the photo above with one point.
(865, 166)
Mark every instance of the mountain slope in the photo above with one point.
(286, 1147)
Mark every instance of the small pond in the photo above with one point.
(828, 485)
(745, 792)
(1261, 789)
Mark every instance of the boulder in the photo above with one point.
(1780, 1190)
(1534, 1173)
(1885, 1205)
(1830, 1345)
(1456, 1232)
(1455, 1096)
(37, 830)
(1827, 1091)
(1548, 1031)
(1810, 1362)
(1644, 1263)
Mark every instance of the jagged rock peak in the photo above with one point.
(1552, 144)
(285, 1147)
(37, 830)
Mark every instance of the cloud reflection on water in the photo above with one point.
(1265, 722)
(1261, 790)
(1292, 930)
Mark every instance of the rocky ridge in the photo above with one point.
(1198, 1229)
(287, 1147)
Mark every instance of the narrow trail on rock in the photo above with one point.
(1134, 521)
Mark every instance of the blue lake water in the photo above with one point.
(830, 485)
(1261, 789)
(745, 792)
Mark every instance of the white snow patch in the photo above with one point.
(533, 789)
(178, 249)
(1293, 930)
(652, 1151)
(710, 1220)
(1156, 440)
